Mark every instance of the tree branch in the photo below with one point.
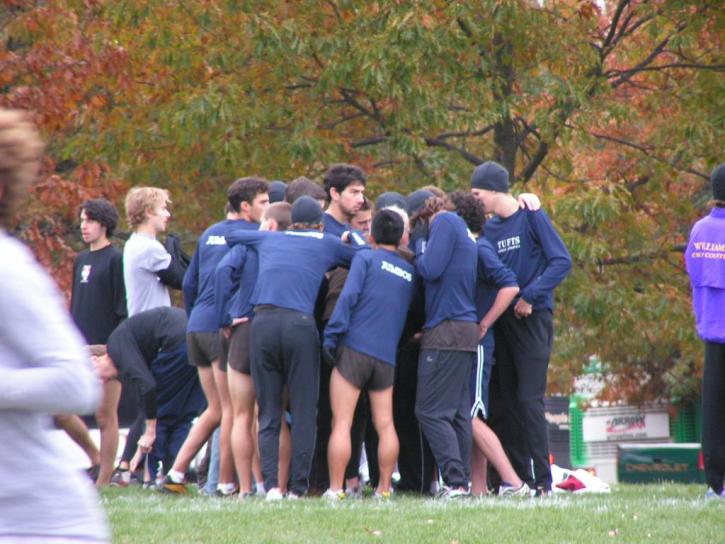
(646, 151)
(470, 157)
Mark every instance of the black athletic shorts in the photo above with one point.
(363, 371)
(223, 351)
(239, 357)
(202, 347)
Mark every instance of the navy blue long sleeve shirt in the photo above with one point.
(292, 265)
(370, 314)
(447, 264)
(528, 244)
(234, 281)
(492, 276)
(198, 283)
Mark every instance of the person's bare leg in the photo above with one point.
(381, 406)
(204, 426)
(343, 400)
(226, 460)
(107, 419)
(486, 440)
(478, 472)
(241, 392)
(78, 432)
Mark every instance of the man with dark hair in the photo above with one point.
(303, 186)
(705, 259)
(98, 305)
(446, 261)
(344, 186)
(526, 242)
(248, 198)
(285, 340)
(361, 339)
(148, 351)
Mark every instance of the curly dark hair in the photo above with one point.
(431, 207)
(341, 175)
(246, 190)
(101, 210)
(470, 209)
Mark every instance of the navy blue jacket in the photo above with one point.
(234, 281)
(528, 244)
(292, 265)
(447, 263)
(492, 276)
(370, 314)
(199, 278)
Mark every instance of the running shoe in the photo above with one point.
(334, 496)
(506, 491)
(121, 477)
(452, 493)
(274, 494)
(171, 487)
(383, 495)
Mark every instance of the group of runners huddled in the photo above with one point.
(305, 334)
(314, 323)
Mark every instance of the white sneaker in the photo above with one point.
(506, 491)
(291, 496)
(274, 494)
(448, 493)
(334, 496)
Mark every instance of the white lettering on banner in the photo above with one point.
(216, 241)
(509, 244)
(317, 235)
(388, 267)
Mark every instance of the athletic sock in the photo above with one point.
(176, 476)
(259, 487)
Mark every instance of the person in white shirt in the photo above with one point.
(143, 256)
(44, 370)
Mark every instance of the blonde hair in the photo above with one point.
(140, 200)
(20, 153)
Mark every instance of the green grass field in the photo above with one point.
(652, 513)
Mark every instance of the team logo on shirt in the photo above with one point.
(508, 244)
(385, 265)
(304, 234)
(216, 241)
(85, 272)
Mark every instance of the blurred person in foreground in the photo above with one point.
(44, 370)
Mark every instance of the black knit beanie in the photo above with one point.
(717, 178)
(490, 176)
(276, 191)
(306, 210)
(391, 198)
(416, 199)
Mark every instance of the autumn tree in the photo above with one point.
(611, 111)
